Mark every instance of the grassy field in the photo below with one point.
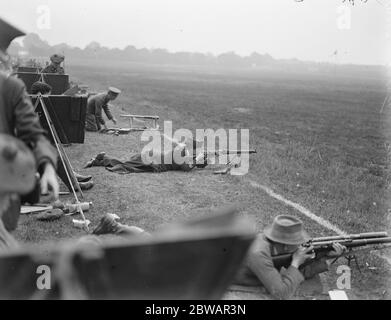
(320, 138)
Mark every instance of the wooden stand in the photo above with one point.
(136, 118)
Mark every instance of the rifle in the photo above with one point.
(202, 159)
(232, 151)
(322, 246)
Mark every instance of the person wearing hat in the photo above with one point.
(55, 65)
(284, 235)
(17, 118)
(95, 105)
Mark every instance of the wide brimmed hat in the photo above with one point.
(57, 58)
(17, 166)
(7, 34)
(286, 229)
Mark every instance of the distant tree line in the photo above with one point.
(36, 47)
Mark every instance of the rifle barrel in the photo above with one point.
(368, 235)
(322, 248)
(251, 151)
(349, 243)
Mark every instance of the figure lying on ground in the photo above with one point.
(285, 235)
(109, 225)
(135, 164)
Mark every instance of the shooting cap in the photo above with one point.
(57, 58)
(7, 34)
(17, 166)
(286, 229)
(114, 90)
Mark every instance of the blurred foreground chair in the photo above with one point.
(191, 260)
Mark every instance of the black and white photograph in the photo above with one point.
(198, 156)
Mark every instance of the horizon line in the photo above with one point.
(215, 55)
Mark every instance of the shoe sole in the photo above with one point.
(84, 180)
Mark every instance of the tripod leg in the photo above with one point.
(61, 153)
(67, 165)
(71, 171)
(36, 104)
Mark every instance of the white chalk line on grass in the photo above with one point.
(323, 222)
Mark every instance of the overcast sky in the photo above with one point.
(309, 30)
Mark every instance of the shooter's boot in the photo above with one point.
(108, 225)
(81, 178)
(93, 161)
(86, 185)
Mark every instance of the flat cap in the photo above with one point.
(7, 34)
(114, 90)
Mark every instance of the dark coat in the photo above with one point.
(136, 164)
(17, 118)
(94, 117)
(51, 68)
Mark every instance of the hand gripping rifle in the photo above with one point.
(322, 246)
